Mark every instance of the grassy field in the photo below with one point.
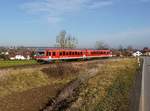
(110, 89)
(30, 89)
(9, 63)
(19, 80)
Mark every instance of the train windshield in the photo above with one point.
(40, 53)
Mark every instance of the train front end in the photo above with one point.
(41, 57)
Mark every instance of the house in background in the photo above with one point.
(137, 54)
(146, 51)
(20, 57)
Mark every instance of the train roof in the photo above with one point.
(77, 49)
(42, 50)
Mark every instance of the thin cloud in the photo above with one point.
(56, 10)
(96, 5)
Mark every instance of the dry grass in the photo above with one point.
(109, 90)
(19, 80)
(29, 89)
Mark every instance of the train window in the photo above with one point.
(78, 53)
(54, 53)
(81, 53)
(48, 54)
(75, 53)
(64, 53)
(60, 53)
(69, 53)
(72, 53)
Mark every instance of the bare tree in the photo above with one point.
(101, 45)
(120, 48)
(130, 48)
(65, 41)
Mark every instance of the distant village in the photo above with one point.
(17, 53)
(27, 53)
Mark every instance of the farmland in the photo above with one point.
(8, 63)
(31, 89)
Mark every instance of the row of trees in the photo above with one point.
(64, 40)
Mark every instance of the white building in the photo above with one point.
(137, 54)
(18, 57)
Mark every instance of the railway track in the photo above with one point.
(46, 65)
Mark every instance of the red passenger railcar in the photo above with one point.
(48, 55)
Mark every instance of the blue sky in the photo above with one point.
(38, 22)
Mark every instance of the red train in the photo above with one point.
(49, 55)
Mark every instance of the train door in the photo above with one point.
(49, 54)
